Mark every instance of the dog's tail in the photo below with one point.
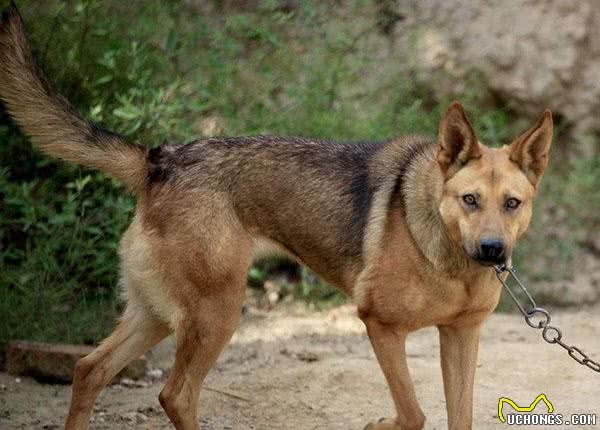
(50, 120)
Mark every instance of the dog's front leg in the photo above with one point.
(459, 347)
(389, 345)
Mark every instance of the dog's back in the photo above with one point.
(311, 197)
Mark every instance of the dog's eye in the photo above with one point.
(512, 203)
(470, 199)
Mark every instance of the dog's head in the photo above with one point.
(488, 193)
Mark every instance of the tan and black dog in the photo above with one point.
(409, 228)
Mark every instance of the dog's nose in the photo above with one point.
(491, 249)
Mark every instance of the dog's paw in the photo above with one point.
(383, 424)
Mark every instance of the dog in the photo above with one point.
(409, 228)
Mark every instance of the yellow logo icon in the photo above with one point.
(541, 398)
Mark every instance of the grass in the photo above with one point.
(166, 71)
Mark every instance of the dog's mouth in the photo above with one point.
(487, 260)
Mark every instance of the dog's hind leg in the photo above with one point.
(210, 289)
(200, 340)
(202, 332)
(136, 333)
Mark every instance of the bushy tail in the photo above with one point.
(50, 120)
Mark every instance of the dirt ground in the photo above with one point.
(294, 369)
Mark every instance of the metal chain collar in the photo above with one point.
(550, 333)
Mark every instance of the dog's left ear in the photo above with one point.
(530, 150)
(457, 142)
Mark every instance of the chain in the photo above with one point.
(550, 333)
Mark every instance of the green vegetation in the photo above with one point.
(171, 71)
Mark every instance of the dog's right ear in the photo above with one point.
(457, 141)
(530, 150)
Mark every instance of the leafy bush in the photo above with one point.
(60, 225)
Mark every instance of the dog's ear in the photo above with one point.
(457, 141)
(530, 150)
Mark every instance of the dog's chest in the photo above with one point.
(415, 299)
(463, 301)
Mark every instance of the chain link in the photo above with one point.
(539, 318)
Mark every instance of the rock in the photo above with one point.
(55, 363)
(303, 355)
(272, 292)
(134, 418)
(307, 356)
(149, 410)
(130, 383)
(534, 54)
(135, 370)
(155, 374)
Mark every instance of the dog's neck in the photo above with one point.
(422, 194)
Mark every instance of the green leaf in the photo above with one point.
(172, 39)
(104, 79)
(127, 112)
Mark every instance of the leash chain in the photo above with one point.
(550, 333)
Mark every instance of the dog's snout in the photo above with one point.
(491, 250)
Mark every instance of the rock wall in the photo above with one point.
(533, 53)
